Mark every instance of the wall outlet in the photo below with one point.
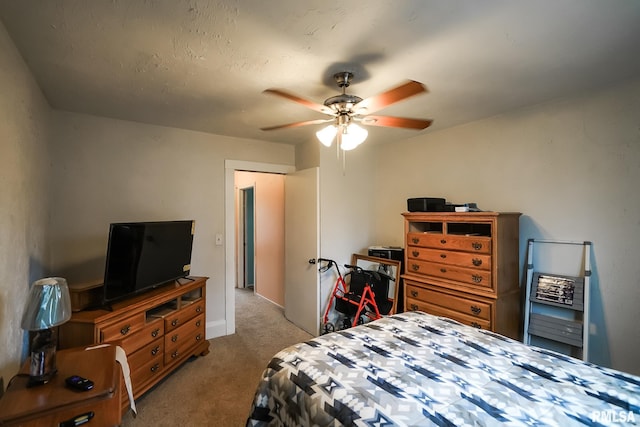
(218, 239)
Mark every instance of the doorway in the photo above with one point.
(260, 234)
(231, 167)
(258, 238)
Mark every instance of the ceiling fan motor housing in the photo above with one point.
(342, 102)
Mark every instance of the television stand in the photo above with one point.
(159, 330)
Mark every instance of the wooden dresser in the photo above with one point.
(158, 330)
(464, 266)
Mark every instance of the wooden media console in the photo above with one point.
(159, 330)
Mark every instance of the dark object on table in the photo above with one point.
(426, 204)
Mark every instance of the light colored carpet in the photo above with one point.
(217, 389)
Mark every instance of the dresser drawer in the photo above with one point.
(153, 350)
(179, 341)
(475, 277)
(123, 328)
(178, 318)
(462, 259)
(475, 244)
(467, 306)
(150, 332)
(175, 337)
(415, 305)
(140, 376)
(184, 348)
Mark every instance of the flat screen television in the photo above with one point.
(145, 255)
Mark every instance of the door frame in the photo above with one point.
(244, 222)
(230, 166)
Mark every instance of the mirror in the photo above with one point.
(389, 267)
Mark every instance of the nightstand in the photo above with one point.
(54, 403)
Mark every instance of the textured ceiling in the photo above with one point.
(203, 65)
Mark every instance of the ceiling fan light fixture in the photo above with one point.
(352, 136)
(326, 135)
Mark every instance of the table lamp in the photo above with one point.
(48, 306)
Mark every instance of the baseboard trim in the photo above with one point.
(267, 299)
(216, 328)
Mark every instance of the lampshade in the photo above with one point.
(353, 136)
(326, 135)
(48, 304)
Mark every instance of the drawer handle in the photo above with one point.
(414, 293)
(155, 332)
(155, 351)
(198, 309)
(198, 337)
(476, 310)
(443, 256)
(415, 267)
(476, 325)
(125, 330)
(415, 253)
(155, 367)
(443, 241)
(198, 323)
(414, 307)
(443, 270)
(477, 262)
(415, 240)
(476, 245)
(174, 354)
(174, 322)
(476, 278)
(174, 338)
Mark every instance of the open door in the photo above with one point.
(302, 246)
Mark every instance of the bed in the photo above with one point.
(414, 369)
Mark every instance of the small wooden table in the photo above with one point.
(54, 403)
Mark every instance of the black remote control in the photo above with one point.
(79, 383)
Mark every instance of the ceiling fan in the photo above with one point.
(347, 110)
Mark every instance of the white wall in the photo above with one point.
(110, 170)
(24, 167)
(347, 196)
(572, 167)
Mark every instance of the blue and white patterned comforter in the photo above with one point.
(414, 369)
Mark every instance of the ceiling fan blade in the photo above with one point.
(297, 124)
(305, 102)
(384, 99)
(396, 122)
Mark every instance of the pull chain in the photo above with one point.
(344, 163)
